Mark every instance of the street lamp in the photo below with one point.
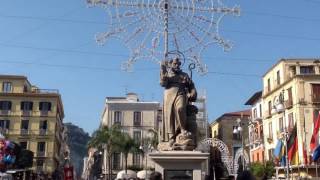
(278, 107)
(238, 130)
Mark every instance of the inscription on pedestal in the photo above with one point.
(178, 174)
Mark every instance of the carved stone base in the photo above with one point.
(184, 141)
(165, 146)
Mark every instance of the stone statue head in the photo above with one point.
(175, 64)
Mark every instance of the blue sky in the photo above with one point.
(52, 43)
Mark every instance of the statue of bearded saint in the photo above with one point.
(179, 92)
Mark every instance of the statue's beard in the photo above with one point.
(176, 70)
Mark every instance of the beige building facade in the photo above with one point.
(33, 118)
(136, 118)
(223, 127)
(296, 82)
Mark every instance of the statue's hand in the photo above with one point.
(192, 96)
(164, 63)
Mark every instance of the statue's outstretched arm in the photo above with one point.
(164, 74)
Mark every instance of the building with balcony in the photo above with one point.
(295, 84)
(223, 127)
(256, 143)
(33, 118)
(136, 118)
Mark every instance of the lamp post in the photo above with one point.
(278, 107)
(145, 149)
(238, 130)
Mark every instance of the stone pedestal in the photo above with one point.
(186, 165)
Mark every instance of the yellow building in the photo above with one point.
(293, 84)
(33, 118)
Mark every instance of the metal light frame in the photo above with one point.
(153, 28)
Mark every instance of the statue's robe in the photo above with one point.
(175, 101)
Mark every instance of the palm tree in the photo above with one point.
(107, 138)
(127, 145)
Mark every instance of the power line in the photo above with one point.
(53, 19)
(60, 50)
(103, 23)
(242, 59)
(234, 74)
(95, 68)
(273, 35)
(281, 16)
(37, 27)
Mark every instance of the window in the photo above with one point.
(6, 87)
(215, 134)
(43, 127)
(26, 105)
(25, 88)
(255, 113)
(25, 124)
(291, 121)
(278, 77)
(236, 136)
(270, 130)
(316, 92)
(136, 159)
(116, 161)
(269, 108)
(269, 85)
(5, 105)
(306, 70)
(137, 118)
(260, 110)
(281, 125)
(41, 148)
(43, 124)
(270, 153)
(290, 102)
(4, 124)
(24, 127)
(45, 106)
(24, 145)
(117, 117)
(137, 136)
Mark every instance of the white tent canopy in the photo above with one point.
(144, 174)
(123, 175)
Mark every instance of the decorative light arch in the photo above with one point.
(223, 148)
(240, 153)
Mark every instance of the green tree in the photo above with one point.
(127, 145)
(260, 170)
(257, 169)
(109, 139)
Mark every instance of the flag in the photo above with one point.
(283, 156)
(316, 154)
(277, 151)
(314, 137)
(292, 145)
(305, 155)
